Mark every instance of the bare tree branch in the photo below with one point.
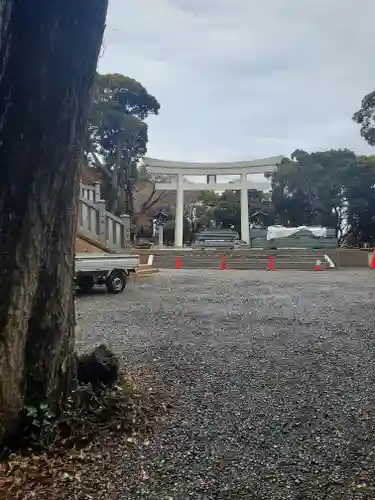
(158, 198)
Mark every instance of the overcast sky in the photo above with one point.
(243, 79)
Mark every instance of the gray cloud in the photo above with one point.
(243, 79)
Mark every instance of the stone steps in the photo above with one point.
(236, 259)
(341, 257)
(302, 264)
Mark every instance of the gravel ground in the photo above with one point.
(272, 376)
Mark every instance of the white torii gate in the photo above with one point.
(211, 170)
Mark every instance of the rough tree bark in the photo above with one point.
(48, 57)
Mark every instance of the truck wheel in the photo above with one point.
(86, 283)
(116, 282)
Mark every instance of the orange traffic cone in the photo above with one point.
(223, 263)
(372, 262)
(271, 264)
(178, 262)
(318, 265)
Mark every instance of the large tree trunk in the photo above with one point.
(48, 56)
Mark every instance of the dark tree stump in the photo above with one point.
(100, 368)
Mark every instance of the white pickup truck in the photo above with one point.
(111, 270)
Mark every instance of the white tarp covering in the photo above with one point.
(274, 232)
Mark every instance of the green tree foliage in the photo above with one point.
(311, 189)
(331, 189)
(118, 131)
(365, 117)
(360, 192)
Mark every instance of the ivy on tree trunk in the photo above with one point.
(48, 57)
